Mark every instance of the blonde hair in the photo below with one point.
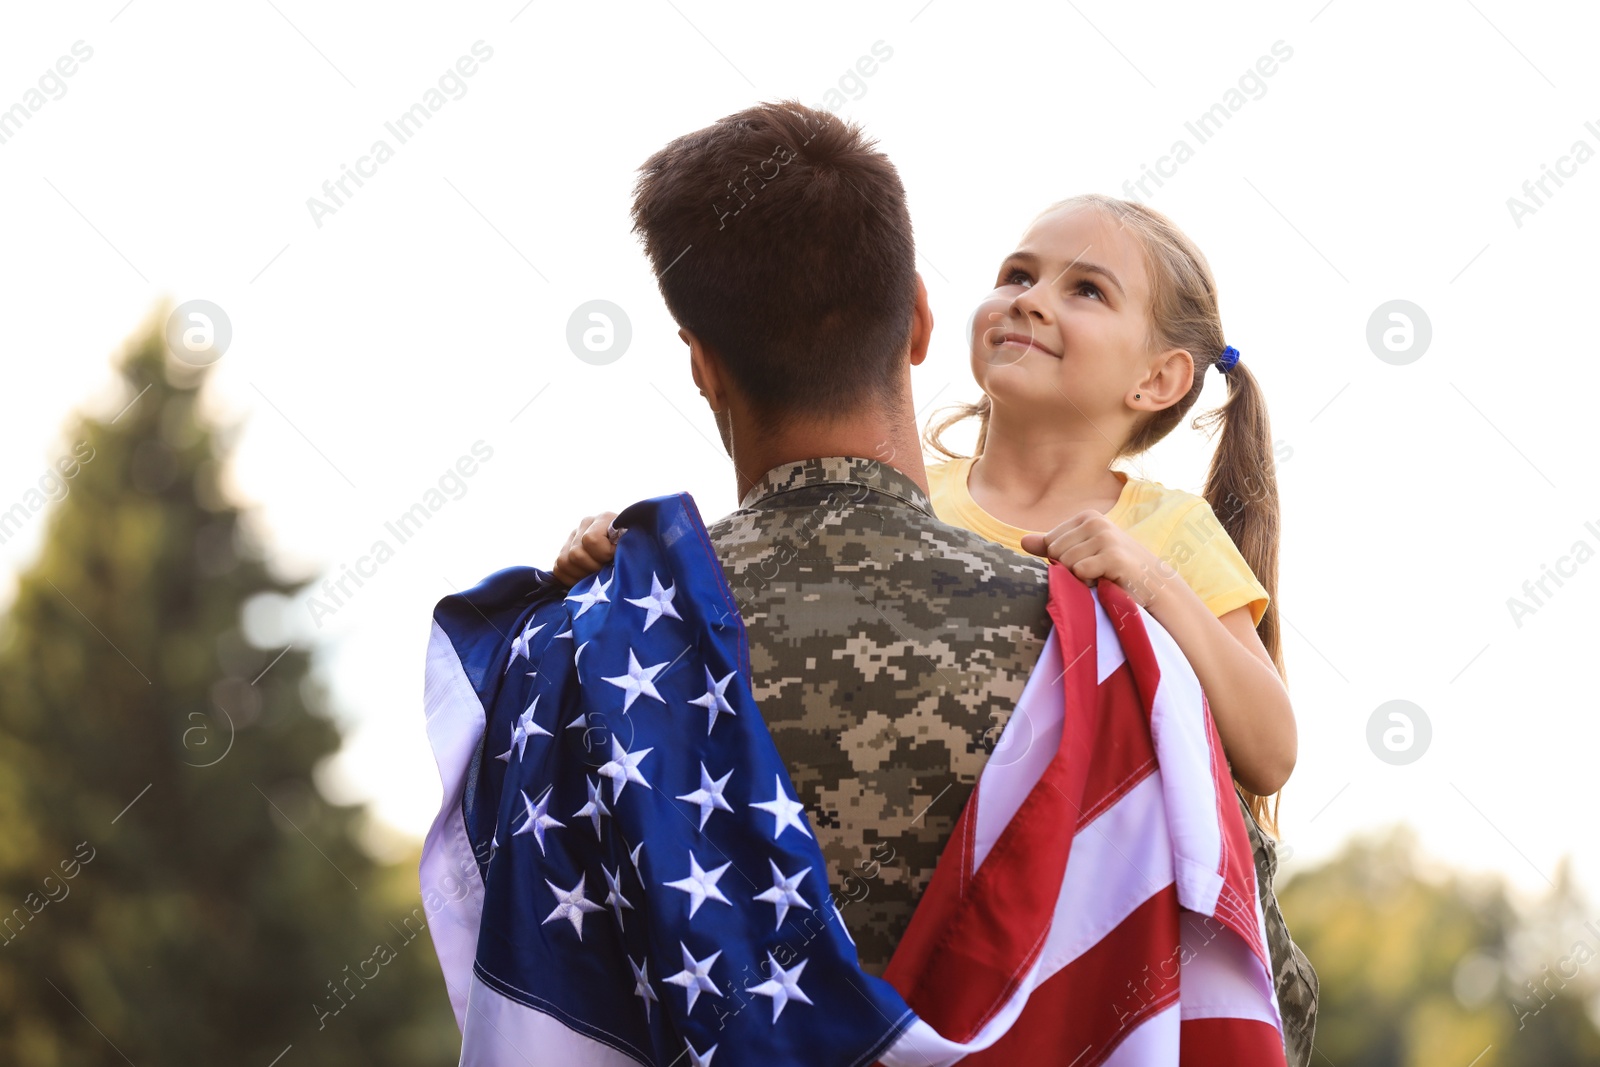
(1242, 484)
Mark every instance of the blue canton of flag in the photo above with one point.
(650, 891)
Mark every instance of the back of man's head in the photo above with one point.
(780, 238)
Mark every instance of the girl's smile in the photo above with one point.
(1020, 340)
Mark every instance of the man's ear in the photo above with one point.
(921, 324)
(707, 371)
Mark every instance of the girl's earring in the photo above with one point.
(1136, 396)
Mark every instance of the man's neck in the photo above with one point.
(889, 438)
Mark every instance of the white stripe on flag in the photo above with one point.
(505, 1033)
(1118, 861)
(1026, 747)
(449, 874)
(1215, 973)
(1156, 1040)
(1178, 725)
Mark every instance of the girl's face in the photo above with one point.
(1065, 332)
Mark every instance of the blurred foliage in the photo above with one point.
(228, 912)
(1418, 968)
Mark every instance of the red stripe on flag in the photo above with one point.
(1082, 1012)
(962, 957)
(1237, 902)
(1123, 612)
(1117, 747)
(1228, 1043)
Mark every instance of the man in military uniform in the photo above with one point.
(888, 648)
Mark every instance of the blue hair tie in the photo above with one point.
(1229, 357)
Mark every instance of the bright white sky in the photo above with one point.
(430, 312)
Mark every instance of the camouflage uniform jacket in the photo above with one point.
(888, 650)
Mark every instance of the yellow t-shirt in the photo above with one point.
(1179, 527)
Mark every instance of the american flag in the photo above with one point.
(620, 873)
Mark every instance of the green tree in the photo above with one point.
(173, 888)
(1417, 969)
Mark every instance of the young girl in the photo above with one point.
(1091, 348)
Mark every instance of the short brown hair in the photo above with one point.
(781, 239)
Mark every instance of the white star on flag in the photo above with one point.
(531, 729)
(633, 857)
(709, 796)
(623, 767)
(614, 895)
(641, 984)
(518, 740)
(525, 729)
(596, 808)
(537, 818)
(785, 812)
(596, 594)
(782, 987)
(701, 885)
(658, 603)
(783, 894)
(519, 645)
(695, 976)
(639, 680)
(571, 904)
(714, 702)
(699, 1059)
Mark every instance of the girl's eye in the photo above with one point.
(1011, 276)
(1093, 288)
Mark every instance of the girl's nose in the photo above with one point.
(1026, 303)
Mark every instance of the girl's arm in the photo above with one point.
(1247, 697)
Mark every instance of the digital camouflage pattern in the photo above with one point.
(1292, 973)
(888, 651)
